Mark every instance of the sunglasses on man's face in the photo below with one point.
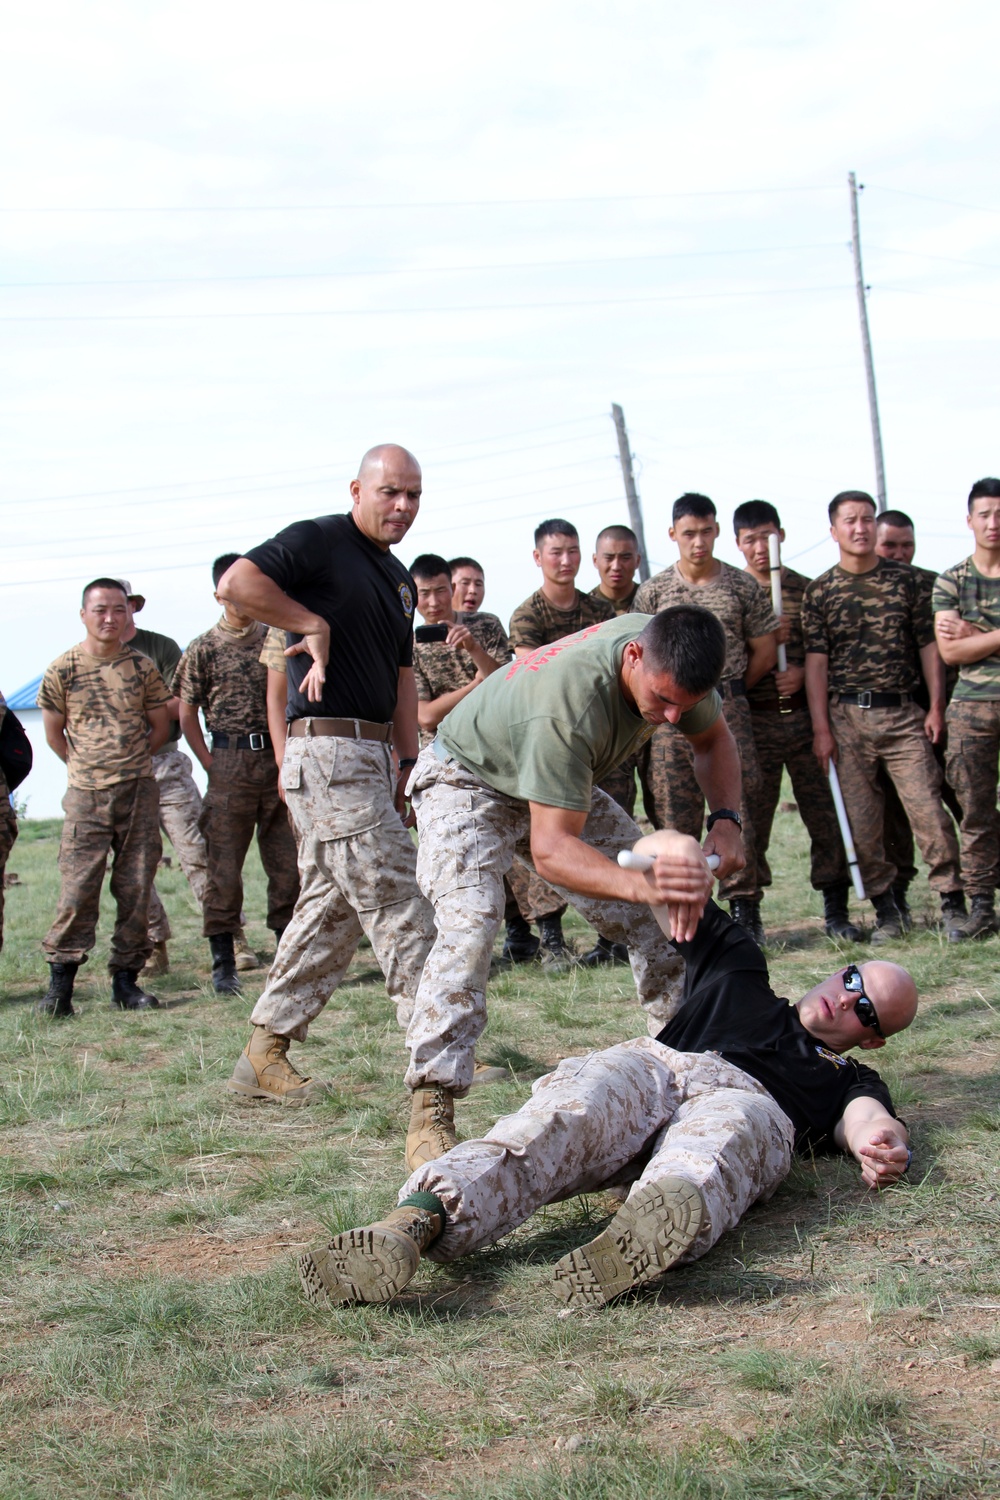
(863, 1006)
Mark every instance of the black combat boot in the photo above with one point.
(604, 951)
(982, 919)
(954, 916)
(836, 922)
(888, 922)
(746, 914)
(553, 953)
(127, 995)
(225, 980)
(520, 945)
(899, 892)
(56, 1000)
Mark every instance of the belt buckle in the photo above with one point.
(865, 699)
(256, 741)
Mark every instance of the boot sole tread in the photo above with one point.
(361, 1265)
(645, 1238)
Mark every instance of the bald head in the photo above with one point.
(893, 993)
(386, 494)
(828, 1009)
(386, 453)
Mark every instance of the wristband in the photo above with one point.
(723, 812)
(410, 760)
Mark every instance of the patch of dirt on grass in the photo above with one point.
(202, 1256)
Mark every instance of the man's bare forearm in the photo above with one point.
(717, 766)
(253, 593)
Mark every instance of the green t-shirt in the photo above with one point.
(555, 722)
(164, 653)
(976, 599)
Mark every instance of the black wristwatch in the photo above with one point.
(723, 812)
(407, 761)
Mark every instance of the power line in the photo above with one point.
(977, 208)
(525, 265)
(285, 208)
(394, 312)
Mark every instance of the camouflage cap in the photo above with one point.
(137, 601)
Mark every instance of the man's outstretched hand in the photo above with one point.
(883, 1158)
(680, 880)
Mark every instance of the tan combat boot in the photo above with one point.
(264, 1072)
(370, 1264)
(246, 958)
(647, 1236)
(157, 963)
(432, 1126)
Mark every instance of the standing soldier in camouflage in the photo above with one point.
(865, 623)
(782, 733)
(895, 539)
(555, 610)
(966, 607)
(468, 585)
(472, 648)
(8, 826)
(616, 558)
(671, 793)
(105, 711)
(347, 604)
(221, 674)
(180, 799)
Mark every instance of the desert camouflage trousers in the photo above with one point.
(868, 738)
(673, 798)
(531, 895)
(973, 751)
(468, 835)
(243, 798)
(785, 740)
(635, 1113)
(8, 833)
(122, 821)
(180, 809)
(357, 873)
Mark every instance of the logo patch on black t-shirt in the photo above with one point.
(406, 600)
(833, 1057)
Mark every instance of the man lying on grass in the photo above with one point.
(702, 1121)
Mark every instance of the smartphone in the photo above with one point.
(426, 633)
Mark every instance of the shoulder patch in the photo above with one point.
(406, 600)
(834, 1057)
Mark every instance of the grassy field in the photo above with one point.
(155, 1343)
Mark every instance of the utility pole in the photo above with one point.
(631, 493)
(866, 343)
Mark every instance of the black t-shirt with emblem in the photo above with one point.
(366, 595)
(730, 1008)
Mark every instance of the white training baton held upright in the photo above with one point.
(774, 558)
(845, 833)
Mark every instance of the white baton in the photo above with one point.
(845, 833)
(630, 860)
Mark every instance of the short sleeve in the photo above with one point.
(285, 558)
(526, 633)
(272, 654)
(702, 716)
(945, 594)
(424, 693)
(189, 679)
(759, 617)
(156, 694)
(814, 632)
(923, 620)
(52, 693)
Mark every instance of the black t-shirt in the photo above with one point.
(366, 595)
(730, 1008)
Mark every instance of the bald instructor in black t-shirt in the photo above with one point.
(346, 605)
(702, 1121)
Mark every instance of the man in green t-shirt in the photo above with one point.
(514, 769)
(966, 604)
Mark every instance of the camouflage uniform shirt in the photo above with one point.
(221, 673)
(620, 606)
(439, 668)
(735, 598)
(273, 657)
(793, 587)
(977, 599)
(870, 625)
(104, 703)
(537, 622)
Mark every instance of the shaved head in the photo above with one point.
(384, 453)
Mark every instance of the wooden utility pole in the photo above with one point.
(631, 493)
(866, 343)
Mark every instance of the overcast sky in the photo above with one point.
(241, 244)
